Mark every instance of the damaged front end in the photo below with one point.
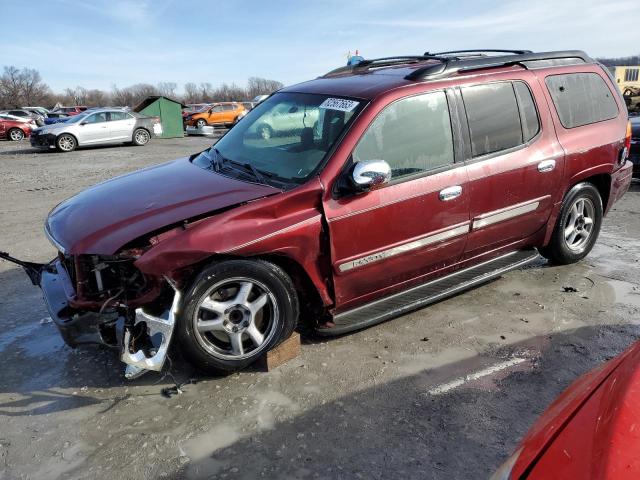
(106, 300)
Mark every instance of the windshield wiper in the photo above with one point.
(216, 159)
(258, 174)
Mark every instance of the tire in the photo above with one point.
(66, 143)
(265, 131)
(577, 227)
(15, 134)
(224, 326)
(201, 122)
(140, 137)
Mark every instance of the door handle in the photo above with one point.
(546, 165)
(450, 193)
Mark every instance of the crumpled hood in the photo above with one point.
(103, 218)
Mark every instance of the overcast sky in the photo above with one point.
(97, 44)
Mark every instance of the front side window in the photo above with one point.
(96, 118)
(493, 116)
(412, 135)
(284, 139)
(581, 99)
(216, 109)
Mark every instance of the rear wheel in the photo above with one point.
(141, 137)
(15, 134)
(234, 313)
(578, 225)
(66, 143)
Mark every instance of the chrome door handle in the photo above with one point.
(450, 193)
(546, 165)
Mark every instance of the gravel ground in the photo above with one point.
(374, 404)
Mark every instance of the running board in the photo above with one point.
(430, 292)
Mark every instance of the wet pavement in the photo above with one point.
(444, 392)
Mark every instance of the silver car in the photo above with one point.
(97, 127)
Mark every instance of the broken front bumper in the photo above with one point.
(108, 327)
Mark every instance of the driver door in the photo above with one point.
(216, 114)
(387, 239)
(93, 129)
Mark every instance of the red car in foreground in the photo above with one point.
(14, 129)
(592, 431)
(342, 202)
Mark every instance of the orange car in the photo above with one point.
(223, 113)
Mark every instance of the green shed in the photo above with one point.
(169, 111)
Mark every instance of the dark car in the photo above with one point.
(589, 431)
(383, 186)
(634, 151)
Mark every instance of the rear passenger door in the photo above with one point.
(390, 238)
(121, 126)
(515, 162)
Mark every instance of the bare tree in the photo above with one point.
(22, 87)
(167, 89)
(262, 86)
(191, 93)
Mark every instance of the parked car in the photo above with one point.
(31, 116)
(15, 128)
(223, 114)
(259, 98)
(589, 431)
(71, 110)
(56, 117)
(43, 112)
(97, 127)
(634, 152)
(396, 182)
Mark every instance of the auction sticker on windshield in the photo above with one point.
(339, 104)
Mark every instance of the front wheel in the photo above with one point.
(234, 313)
(15, 134)
(66, 143)
(201, 122)
(141, 137)
(578, 225)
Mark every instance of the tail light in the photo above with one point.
(627, 142)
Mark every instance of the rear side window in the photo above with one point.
(581, 99)
(412, 135)
(528, 112)
(494, 119)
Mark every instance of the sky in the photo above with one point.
(102, 43)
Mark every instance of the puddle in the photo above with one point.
(33, 339)
(625, 292)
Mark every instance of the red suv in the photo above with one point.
(383, 186)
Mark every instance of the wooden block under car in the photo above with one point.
(287, 350)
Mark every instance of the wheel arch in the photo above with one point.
(602, 182)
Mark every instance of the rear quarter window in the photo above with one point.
(581, 99)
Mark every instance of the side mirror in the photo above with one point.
(82, 124)
(370, 174)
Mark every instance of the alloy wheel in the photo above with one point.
(236, 318)
(142, 137)
(579, 224)
(16, 135)
(66, 143)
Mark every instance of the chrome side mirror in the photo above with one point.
(370, 174)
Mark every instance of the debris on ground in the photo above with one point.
(569, 289)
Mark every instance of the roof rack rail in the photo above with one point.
(481, 50)
(382, 62)
(450, 65)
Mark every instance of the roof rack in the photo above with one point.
(481, 50)
(455, 61)
(526, 59)
(382, 62)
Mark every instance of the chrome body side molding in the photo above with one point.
(508, 213)
(405, 247)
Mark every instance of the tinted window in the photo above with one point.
(494, 119)
(581, 99)
(412, 135)
(119, 116)
(229, 107)
(217, 108)
(96, 118)
(528, 112)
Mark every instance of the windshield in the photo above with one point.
(78, 118)
(284, 139)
